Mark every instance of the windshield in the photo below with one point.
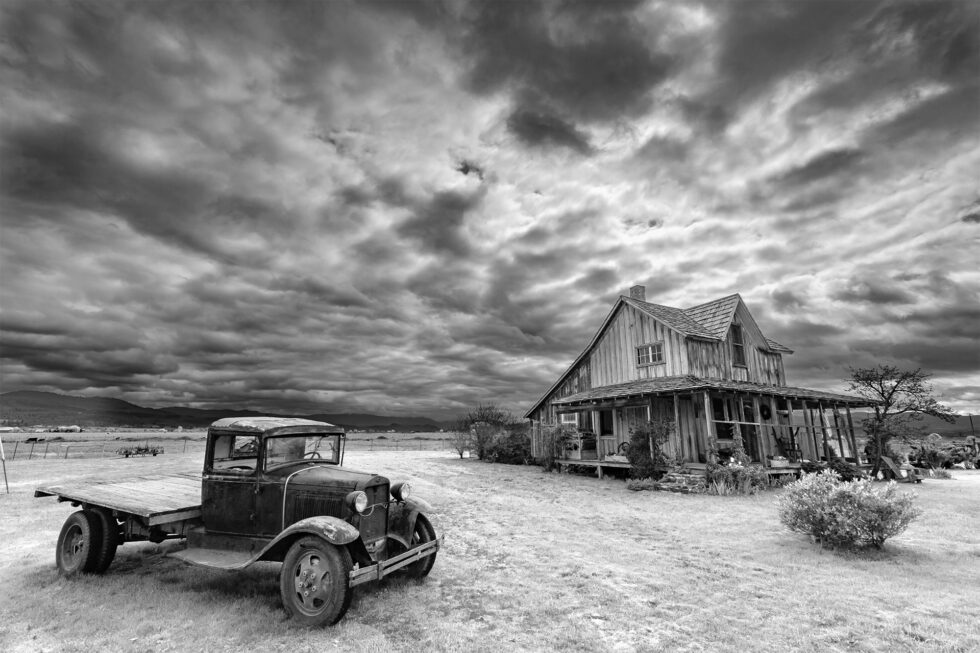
(285, 449)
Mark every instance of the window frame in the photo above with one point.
(564, 422)
(737, 339)
(649, 349)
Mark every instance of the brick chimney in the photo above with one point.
(638, 292)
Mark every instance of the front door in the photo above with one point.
(229, 484)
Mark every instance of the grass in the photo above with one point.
(532, 561)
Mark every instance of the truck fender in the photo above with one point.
(402, 516)
(333, 530)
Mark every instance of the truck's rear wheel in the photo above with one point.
(107, 544)
(315, 582)
(421, 534)
(78, 543)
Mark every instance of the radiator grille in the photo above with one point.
(307, 504)
(375, 524)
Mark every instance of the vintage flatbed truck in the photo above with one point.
(271, 489)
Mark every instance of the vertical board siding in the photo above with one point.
(614, 357)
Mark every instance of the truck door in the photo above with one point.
(229, 484)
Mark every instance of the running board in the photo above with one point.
(215, 558)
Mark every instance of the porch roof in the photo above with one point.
(675, 384)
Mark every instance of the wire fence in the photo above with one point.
(41, 449)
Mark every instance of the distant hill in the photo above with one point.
(961, 427)
(29, 408)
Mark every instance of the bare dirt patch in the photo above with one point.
(532, 561)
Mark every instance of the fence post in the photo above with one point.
(185, 446)
(13, 456)
(46, 450)
(66, 453)
(31, 454)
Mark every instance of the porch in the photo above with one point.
(778, 427)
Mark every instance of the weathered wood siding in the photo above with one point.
(578, 380)
(614, 358)
(713, 360)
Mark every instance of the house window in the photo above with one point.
(570, 419)
(738, 346)
(652, 354)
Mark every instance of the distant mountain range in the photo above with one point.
(27, 408)
(961, 427)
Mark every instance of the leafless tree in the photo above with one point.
(462, 439)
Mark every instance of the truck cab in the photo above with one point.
(262, 475)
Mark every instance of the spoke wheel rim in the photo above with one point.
(311, 580)
(73, 550)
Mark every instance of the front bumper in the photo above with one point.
(381, 569)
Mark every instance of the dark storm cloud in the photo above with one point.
(831, 163)
(439, 225)
(591, 61)
(72, 165)
(542, 129)
(873, 292)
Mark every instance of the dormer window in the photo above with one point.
(652, 354)
(738, 346)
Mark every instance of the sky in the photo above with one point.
(411, 208)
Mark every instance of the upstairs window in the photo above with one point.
(652, 354)
(738, 346)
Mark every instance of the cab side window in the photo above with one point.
(235, 454)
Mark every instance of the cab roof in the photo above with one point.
(273, 425)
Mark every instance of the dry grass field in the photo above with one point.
(532, 562)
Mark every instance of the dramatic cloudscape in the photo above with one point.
(413, 207)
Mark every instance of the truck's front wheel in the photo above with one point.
(422, 534)
(315, 582)
(78, 543)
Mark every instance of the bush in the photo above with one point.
(512, 447)
(736, 478)
(845, 470)
(839, 513)
(645, 451)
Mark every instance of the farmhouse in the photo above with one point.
(709, 371)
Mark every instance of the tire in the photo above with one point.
(421, 534)
(79, 543)
(107, 544)
(315, 582)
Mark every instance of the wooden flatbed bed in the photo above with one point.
(156, 499)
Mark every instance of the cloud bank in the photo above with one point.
(410, 208)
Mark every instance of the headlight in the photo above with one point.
(358, 501)
(401, 491)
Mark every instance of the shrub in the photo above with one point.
(845, 513)
(735, 478)
(512, 447)
(645, 451)
(845, 470)
(639, 484)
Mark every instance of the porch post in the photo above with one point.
(760, 437)
(837, 429)
(709, 427)
(681, 440)
(823, 431)
(850, 428)
(808, 425)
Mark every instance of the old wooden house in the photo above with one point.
(709, 371)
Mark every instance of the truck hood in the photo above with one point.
(321, 475)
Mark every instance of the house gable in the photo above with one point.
(693, 341)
